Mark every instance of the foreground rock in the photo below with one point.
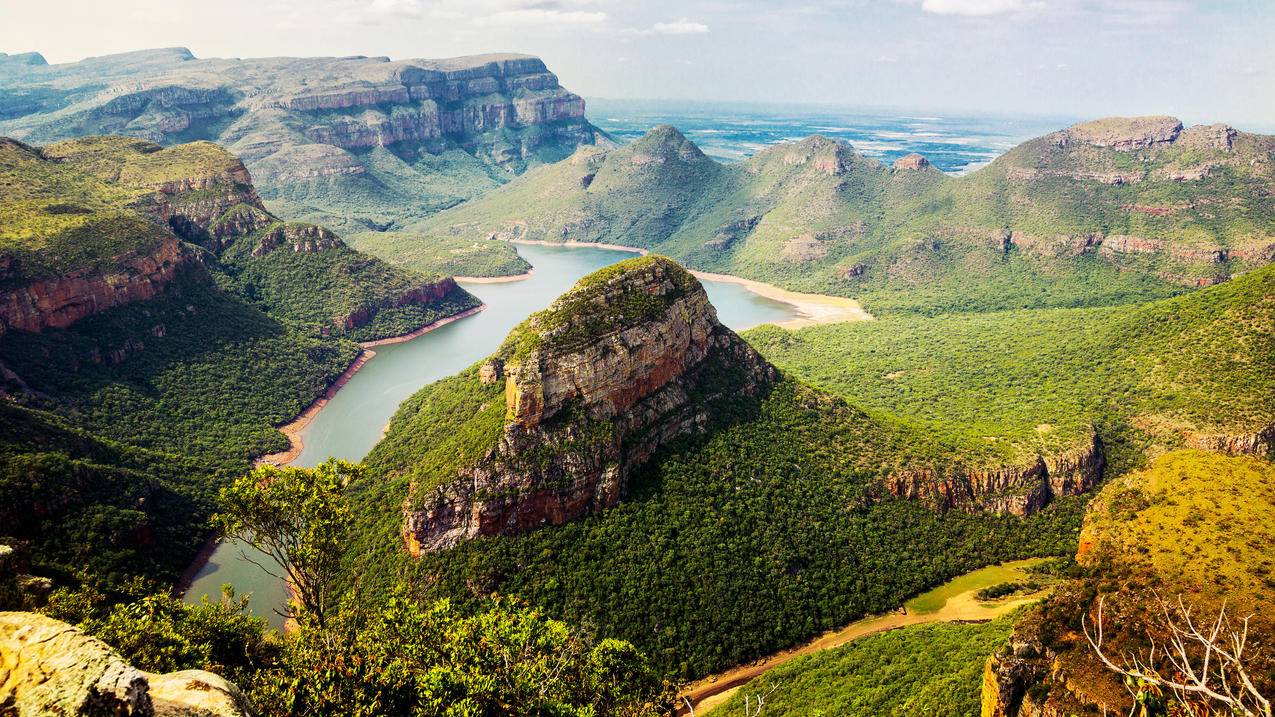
(621, 365)
(48, 667)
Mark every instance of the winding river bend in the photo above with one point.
(351, 423)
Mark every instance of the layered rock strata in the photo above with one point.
(1019, 490)
(593, 387)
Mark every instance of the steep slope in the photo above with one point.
(1196, 370)
(353, 143)
(1111, 211)
(194, 192)
(156, 324)
(1192, 524)
(627, 462)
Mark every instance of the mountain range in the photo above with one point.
(1109, 211)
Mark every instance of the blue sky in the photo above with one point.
(1202, 61)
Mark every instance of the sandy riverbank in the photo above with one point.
(814, 308)
(293, 428)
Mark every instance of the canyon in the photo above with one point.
(318, 132)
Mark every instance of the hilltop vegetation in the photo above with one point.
(1191, 524)
(1101, 213)
(1191, 369)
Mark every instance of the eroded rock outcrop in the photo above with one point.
(48, 667)
(61, 301)
(1020, 489)
(629, 360)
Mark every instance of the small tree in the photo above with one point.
(1199, 669)
(299, 519)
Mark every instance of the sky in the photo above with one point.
(1201, 60)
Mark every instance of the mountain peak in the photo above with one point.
(663, 143)
(628, 361)
(914, 161)
(1125, 133)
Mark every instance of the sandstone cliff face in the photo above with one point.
(1017, 489)
(635, 367)
(59, 302)
(48, 667)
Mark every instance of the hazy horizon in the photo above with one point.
(1197, 60)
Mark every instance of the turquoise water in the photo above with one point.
(352, 422)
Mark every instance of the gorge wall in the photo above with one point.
(1021, 489)
(593, 387)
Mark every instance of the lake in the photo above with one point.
(351, 423)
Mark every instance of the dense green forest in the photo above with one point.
(1004, 383)
(768, 530)
(169, 416)
(916, 671)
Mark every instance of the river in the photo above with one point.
(351, 423)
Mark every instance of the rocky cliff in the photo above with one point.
(105, 221)
(1020, 489)
(316, 131)
(630, 359)
(48, 667)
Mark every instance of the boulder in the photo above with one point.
(48, 667)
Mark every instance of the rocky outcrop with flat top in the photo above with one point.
(48, 667)
(630, 359)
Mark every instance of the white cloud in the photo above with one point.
(679, 27)
(542, 16)
(676, 27)
(973, 7)
(401, 8)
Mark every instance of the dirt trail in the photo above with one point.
(716, 689)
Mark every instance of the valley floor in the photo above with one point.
(963, 606)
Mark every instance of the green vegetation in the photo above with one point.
(1191, 524)
(1195, 520)
(1025, 232)
(768, 530)
(574, 318)
(921, 670)
(1001, 385)
(115, 474)
(298, 519)
(983, 579)
(124, 425)
(454, 257)
(387, 655)
(331, 289)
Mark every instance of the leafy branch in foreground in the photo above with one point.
(1201, 666)
(297, 518)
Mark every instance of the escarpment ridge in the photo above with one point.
(352, 142)
(102, 222)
